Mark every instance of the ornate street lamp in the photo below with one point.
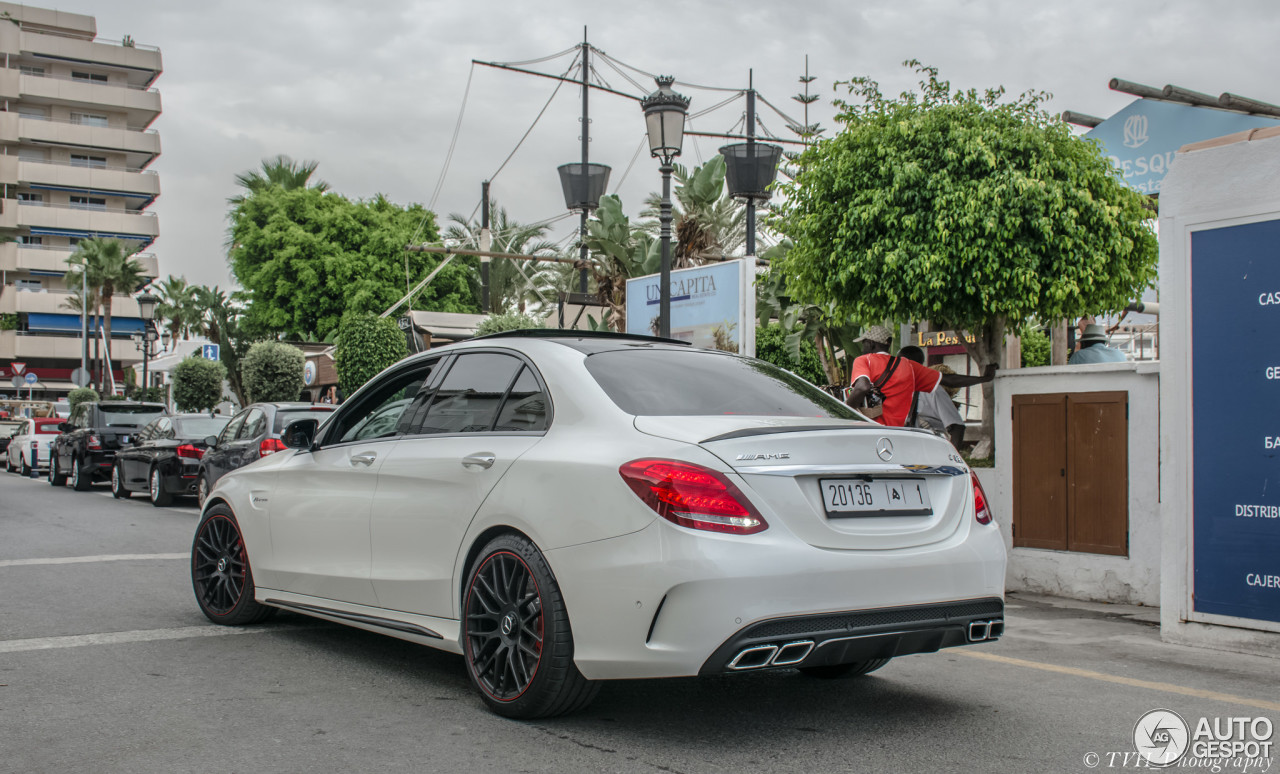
(664, 115)
(749, 170)
(583, 185)
(147, 311)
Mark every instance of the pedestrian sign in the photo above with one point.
(209, 352)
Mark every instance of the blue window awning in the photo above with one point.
(70, 323)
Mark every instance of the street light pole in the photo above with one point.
(664, 277)
(147, 311)
(664, 114)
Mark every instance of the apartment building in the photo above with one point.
(75, 151)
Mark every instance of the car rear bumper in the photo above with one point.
(671, 602)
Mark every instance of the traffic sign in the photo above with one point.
(18, 382)
(209, 352)
(79, 377)
(31, 378)
(18, 368)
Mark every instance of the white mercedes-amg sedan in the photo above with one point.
(563, 508)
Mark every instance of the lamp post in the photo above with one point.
(664, 115)
(750, 168)
(147, 311)
(583, 185)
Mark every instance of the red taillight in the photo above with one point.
(94, 443)
(270, 446)
(981, 511)
(692, 496)
(190, 452)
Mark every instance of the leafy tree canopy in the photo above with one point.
(366, 345)
(306, 257)
(82, 395)
(197, 383)
(272, 371)
(507, 321)
(771, 346)
(962, 209)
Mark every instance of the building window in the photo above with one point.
(27, 284)
(81, 160)
(88, 203)
(27, 239)
(32, 154)
(89, 119)
(31, 111)
(31, 70)
(95, 77)
(31, 198)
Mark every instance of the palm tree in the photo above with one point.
(282, 171)
(708, 223)
(513, 285)
(109, 267)
(178, 307)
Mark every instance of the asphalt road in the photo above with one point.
(107, 665)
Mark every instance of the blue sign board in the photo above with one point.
(209, 351)
(1235, 372)
(1142, 138)
(31, 378)
(705, 305)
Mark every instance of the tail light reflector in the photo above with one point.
(692, 496)
(190, 452)
(270, 446)
(981, 510)
(94, 443)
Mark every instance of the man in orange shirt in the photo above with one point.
(897, 378)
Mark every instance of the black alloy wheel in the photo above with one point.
(117, 483)
(220, 572)
(517, 641)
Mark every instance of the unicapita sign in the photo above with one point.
(1142, 138)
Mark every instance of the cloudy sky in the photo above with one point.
(371, 90)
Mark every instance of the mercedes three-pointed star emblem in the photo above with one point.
(884, 449)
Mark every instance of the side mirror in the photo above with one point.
(300, 433)
(211, 441)
(65, 427)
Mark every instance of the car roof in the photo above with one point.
(587, 342)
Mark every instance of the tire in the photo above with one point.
(56, 478)
(80, 481)
(202, 491)
(25, 469)
(159, 497)
(834, 671)
(220, 573)
(117, 483)
(8, 463)
(516, 638)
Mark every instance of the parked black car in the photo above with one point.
(86, 450)
(252, 434)
(164, 459)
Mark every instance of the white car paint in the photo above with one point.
(20, 444)
(385, 527)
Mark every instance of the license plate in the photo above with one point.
(124, 439)
(849, 497)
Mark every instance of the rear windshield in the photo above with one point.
(199, 427)
(129, 415)
(319, 412)
(48, 428)
(694, 382)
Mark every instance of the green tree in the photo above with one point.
(197, 383)
(272, 371)
(366, 345)
(281, 171)
(963, 209)
(618, 252)
(771, 346)
(305, 258)
(178, 310)
(707, 222)
(108, 266)
(221, 320)
(507, 321)
(514, 285)
(1035, 347)
(82, 395)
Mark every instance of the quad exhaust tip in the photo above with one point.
(760, 656)
(981, 631)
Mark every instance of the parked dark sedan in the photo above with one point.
(164, 459)
(254, 433)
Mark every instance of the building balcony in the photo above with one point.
(80, 221)
(141, 62)
(44, 260)
(142, 147)
(139, 104)
(15, 301)
(15, 344)
(139, 188)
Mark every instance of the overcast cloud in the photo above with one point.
(371, 90)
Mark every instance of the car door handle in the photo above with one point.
(483, 460)
(364, 459)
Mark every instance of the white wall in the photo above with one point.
(1133, 580)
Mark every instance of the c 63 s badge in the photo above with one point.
(750, 457)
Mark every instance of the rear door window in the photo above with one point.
(255, 424)
(693, 382)
(468, 399)
(526, 406)
(229, 432)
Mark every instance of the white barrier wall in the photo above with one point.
(1220, 398)
(1132, 580)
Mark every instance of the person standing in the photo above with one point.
(1094, 348)
(897, 379)
(936, 410)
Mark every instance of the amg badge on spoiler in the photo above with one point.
(778, 456)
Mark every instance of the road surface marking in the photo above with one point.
(1166, 687)
(144, 635)
(81, 559)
